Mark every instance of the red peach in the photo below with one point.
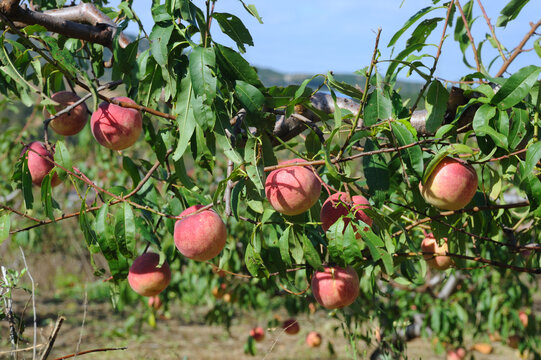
(451, 185)
(434, 253)
(457, 354)
(116, 127)
(38, 165)
(257, 333)
(313, 339)
(291, 326)
(337, 205)
(335, 287)
(292, 190)
(73, 121)
(146, 278)
(201, 236)
(155, 302)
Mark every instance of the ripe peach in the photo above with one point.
(73, 121)
(116, 127)
(434, 252)
(38, 165)
(146, 278)
(335, 287)
(457, 354)
(337, 205)
(218, 291)
(451, 186)
(291, 326)
(155, 302)
(257, 333)
(313, 339)
(292, 190)
(201, 236)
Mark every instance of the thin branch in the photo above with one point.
(52, 338)
(467, 27)
(518, 49)
(90, 351)
(33, 305)
(487, 19)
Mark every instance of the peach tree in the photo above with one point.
(417, 216)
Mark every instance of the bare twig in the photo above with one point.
(52, 338)
(33, 304)
(90, 351)
(467, 27)
(487, 19)
(518, 49)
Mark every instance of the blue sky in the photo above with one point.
(320, 35)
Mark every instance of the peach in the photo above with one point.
(337, 205)
(313, 339)
(292, 190)
(146, 278)
(451, 186)
(335, 287)
(291, 326)
(71, 122)
(116, 127)
(257, 333)
(38, 165)
(155, 302)
(434, 253)
(513, 341)
(201, 236)
(457, 354)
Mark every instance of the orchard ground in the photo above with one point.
(61, 281)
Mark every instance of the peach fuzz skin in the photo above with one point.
(313, 339)
(335, 287)
(73, 121)
(337, 205)
(291, 326)
(146, 278)
(292, 190)
(434, 257)
(451, 186)
(201, 236)
(116, 127)
(38, 166)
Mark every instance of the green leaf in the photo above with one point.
(185, 117)
(202, 61)
(125, 231)
(510, 11)
(376, 169)
(537, 46)
(159, 39)
(5, 224)
(533, 155)
(252, 11)
(461, 34)
(520, 119)
(47, 196)
(233, 27)
(414, 157)
(436, 105)
(253, 170)
(499, 139)
(344, 87)
(283, 243)
(422, 31)
(27, 184)
(249, 96)
(133, 171)
(234, 64)
(106, 242)
(84, 224)
(254, 262)
(378, 107)
(387, 260)
(483, 115)
(410, 22)
(516, 87)
(310, 253)
(63, 158)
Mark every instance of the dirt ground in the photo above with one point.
(172, 338)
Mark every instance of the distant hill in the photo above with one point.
(269, 77)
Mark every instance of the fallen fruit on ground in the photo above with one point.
(482, 348)
(257, 333)
(39, 166)
(335, 287)
(451, 185)
(291, 326)
(513, 341)
(313, 339)
(338, 205)
(71, 122)
(116, 127)
(434, 253)
(292, 190)
(201, 236)
(146, 278)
